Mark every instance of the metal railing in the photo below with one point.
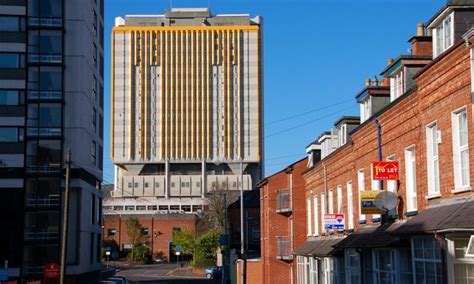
(45, 58)
(284, 201)
(44, 95)
(46, 202)
(45, 132)
(33, 234)
(284, 248)
(45, 22)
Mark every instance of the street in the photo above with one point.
(160, 273)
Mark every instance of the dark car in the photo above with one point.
(213, 272)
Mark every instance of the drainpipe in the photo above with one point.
(384, 215)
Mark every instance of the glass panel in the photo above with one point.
(8, 134)
(10, 97)
(50, 78)
(49, 153)
(465, 167)
(460, 247)
(430, 272)
(50, 42)
(11, 60)
(462, 124)
(9, 24)
(50, 115)
(447, 32)
(51, 8)
(418, 247)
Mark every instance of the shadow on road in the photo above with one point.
(178, 281)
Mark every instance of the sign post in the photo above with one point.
(334, 221)
(178, 252)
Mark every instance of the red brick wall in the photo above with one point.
(254, 272)
(442, 87)
(160, 230)
(274, 224)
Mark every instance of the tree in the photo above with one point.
(184, 239)
(135, 235)
(212, 218)
(203, 248)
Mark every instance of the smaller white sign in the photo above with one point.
(177, 253)
(334, 221)
(107, 253)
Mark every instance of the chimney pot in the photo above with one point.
(420, 31)
(375, 81)
(367, 83)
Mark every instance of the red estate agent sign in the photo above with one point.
(385, 170)
(51, 271)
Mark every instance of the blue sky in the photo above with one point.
(317, 55)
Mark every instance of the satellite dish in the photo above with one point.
(386, 200)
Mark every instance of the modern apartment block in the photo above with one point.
(51, 101)
(187, 108)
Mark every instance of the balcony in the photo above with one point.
(284, 248)
(284, 202)
(45, 95)
(41, 234)
(51, 201)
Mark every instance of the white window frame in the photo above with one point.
(340, 208)
(343, 135)
(375, 185)
(459, 186)
(301, 267)
(397, 84)
(309, 223)
(331, 202)
(361, 187)
(316, 215)
(452, 260)
(410, 179)
(323, 211)
(365, 109)
(392, 184)
(441, 39)
(432, 160)
(313, 270)
(350, 206)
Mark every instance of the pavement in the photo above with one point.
(159, 273)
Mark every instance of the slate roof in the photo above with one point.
(321, 247)
(372, 236)
(448, 215)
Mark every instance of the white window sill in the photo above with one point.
(433, 196)
(462, 189)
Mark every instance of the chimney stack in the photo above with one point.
(421, 43)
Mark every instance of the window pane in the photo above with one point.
(465, 167)
(10, 60)
(447, 32)
(50, 79)
(460, 247)
(50, 115)
(8, 134)
(49, 153)
(51, 42)
(10, 24)
(9, 97)
(462, 124)
(51, 8)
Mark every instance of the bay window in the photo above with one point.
(426, 260)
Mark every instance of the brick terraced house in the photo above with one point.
(421, 115)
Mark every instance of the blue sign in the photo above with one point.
(224, 240)
(3, 274)
(334, 221)
(108, 249)
(178, 249)
(115, 255)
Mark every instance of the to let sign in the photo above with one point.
(386, 170)
(334, 221)
(51, 271)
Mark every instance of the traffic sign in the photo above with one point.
(51, 271)
(178, 249)
(115, 255)
(334, 221)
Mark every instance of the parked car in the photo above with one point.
(118, 280)
(213, 272)
(159, 260)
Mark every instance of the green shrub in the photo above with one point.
(140, 253)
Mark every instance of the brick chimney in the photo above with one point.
(421, 43)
